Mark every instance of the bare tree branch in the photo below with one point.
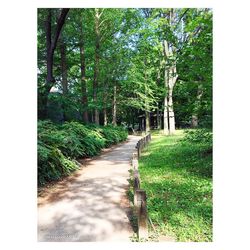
(184, 13)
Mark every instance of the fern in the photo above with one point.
(59, 145)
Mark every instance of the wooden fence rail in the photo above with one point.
(140, 197)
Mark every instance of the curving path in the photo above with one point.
(91, 205)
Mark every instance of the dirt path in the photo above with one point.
(92, 204)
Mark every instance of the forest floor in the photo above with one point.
(90, 205)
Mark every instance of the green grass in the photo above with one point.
(177, 176)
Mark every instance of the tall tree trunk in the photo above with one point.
(147, 108)
(83, 75)
(96, 67)
(50, 49)
(170, 76)
(166, 79)
(171, 111)
(171, 83)
(133, 121)
(64, 67)
(147, 117)
(158, 80)
(170, 80)
(114, 107)
(195, 119)
(64, 75)
(158, 118)
(165, 117)
(105, 117)
(105, 97)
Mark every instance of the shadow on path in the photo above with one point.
(93, 205)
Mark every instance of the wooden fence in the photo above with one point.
(140, 197)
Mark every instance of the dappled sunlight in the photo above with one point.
(91, 206)
(104, 74)
(177, 177)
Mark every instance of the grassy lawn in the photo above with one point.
(177, 177)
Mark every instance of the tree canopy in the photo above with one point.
(146, 68)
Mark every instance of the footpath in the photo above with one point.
(90, 205)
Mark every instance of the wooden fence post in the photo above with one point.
(142, 213)
(139, 149)
(135, 164)
(134, 156)
(136, 186)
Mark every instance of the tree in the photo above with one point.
(98, 15)
(170, 72)
(120, 66)
(51, 43)
(83, 72)
(194, 91)
(64, 71)
(170, 81)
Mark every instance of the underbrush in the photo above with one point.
(60, 145)
(203, 136)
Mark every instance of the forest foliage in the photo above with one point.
(101, 71)
(116, 65)
(59, 146)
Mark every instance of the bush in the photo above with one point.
(204, 136)
(52, 164)
(82, 140)
(59, 145)
(111, 134)
(114, 134)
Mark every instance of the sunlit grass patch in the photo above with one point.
(177, 176)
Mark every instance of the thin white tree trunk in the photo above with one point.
(96, 65)
(165, 117)
(105, 122)
(166, 79)
(114, 108)
(171, 112)
(194, 121)
(105, 97)
(170, 80)
(158, 118)
(147, 116)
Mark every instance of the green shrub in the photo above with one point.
(114, 134)
(52, 164)
(49, 134)
(59, 145)
(204, 136)
(82, 140)
(111, 134)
